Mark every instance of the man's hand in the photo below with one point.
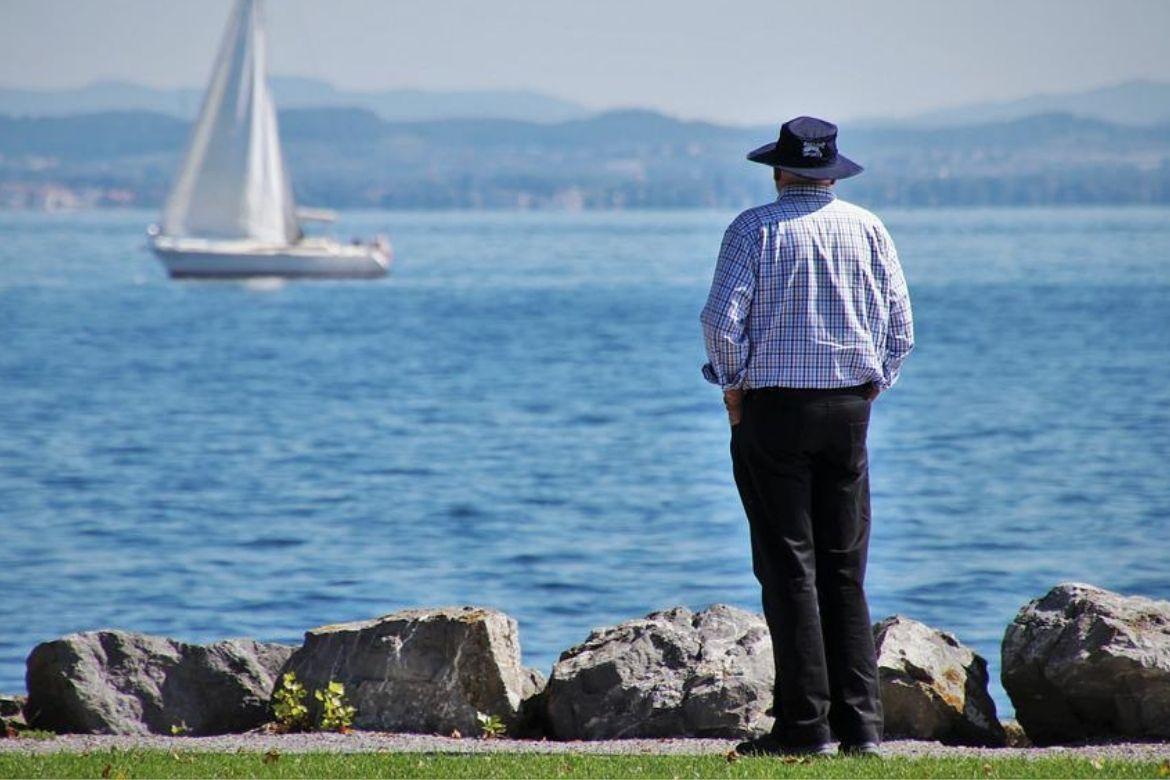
(733, 402)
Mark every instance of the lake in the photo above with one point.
(515, 418)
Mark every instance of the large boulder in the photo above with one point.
(116, 682)
(1086, 663)
(422, 670)
(671, 673)
(933, 687)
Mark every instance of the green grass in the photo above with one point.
(162, 763)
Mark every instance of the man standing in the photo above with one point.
(808, 320)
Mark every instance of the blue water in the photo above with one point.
(516, 418)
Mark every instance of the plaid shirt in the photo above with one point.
(808, 292)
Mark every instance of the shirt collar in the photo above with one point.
(814, 191)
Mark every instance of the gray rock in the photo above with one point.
(1087, 663)
(12, 706)
(671, 673)
(12, 714)
(115, 682)
(422, 670)
(933, 687)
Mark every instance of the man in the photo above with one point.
(808, 320)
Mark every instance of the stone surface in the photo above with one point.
(12, 715)
(933, 687)
(12, 706)
(1016, 736)
(422, 670)
(671, 673)
(115, 682)
(1087, 663)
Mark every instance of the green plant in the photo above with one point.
(336, 714)
(491, 726)
(289, 704)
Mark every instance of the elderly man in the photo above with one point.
(808, 320)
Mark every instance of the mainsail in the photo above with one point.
(233, 183)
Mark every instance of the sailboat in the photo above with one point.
(230, 212)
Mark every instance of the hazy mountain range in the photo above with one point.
(1133, 102)
(347, 157)
(395, 105)
(1130, 103)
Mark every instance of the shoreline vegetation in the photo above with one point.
(178, 763)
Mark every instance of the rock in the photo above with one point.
(12, 706)
(671, 673)
(933, 687)
(1086, 663)
(1016, 736)
(422, 670)
(12, 715)
(115, 682)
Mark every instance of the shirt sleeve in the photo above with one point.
(725, 316)
(900, 335)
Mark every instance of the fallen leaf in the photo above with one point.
(107, 770)
(272, 756)
(455, 734)
(1097, 764)
(1164, 768)
(731, 756)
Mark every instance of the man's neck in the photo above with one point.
(825, 185)
(809, 187)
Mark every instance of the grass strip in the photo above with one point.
(165, 764)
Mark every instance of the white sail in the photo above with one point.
(233, 183)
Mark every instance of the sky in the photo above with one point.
(732, 61)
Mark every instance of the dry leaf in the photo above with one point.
(272, 756)
(732, 756)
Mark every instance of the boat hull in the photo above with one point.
(239, 260)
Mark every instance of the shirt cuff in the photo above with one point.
(710, 375)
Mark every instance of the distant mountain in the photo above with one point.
(1131, 103)
(397, 105)
(99, 96)
(352, 158)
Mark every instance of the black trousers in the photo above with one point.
(803, 474)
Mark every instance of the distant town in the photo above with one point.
(121, 145)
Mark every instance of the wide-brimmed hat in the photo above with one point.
(807, 147)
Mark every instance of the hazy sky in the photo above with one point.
(733, 61)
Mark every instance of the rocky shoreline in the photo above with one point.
(1082, 666)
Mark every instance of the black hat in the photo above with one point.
(807, 147)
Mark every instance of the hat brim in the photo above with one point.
(841, 168)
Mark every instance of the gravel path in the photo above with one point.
(372, 742)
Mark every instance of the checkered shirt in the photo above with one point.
(808, 292)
